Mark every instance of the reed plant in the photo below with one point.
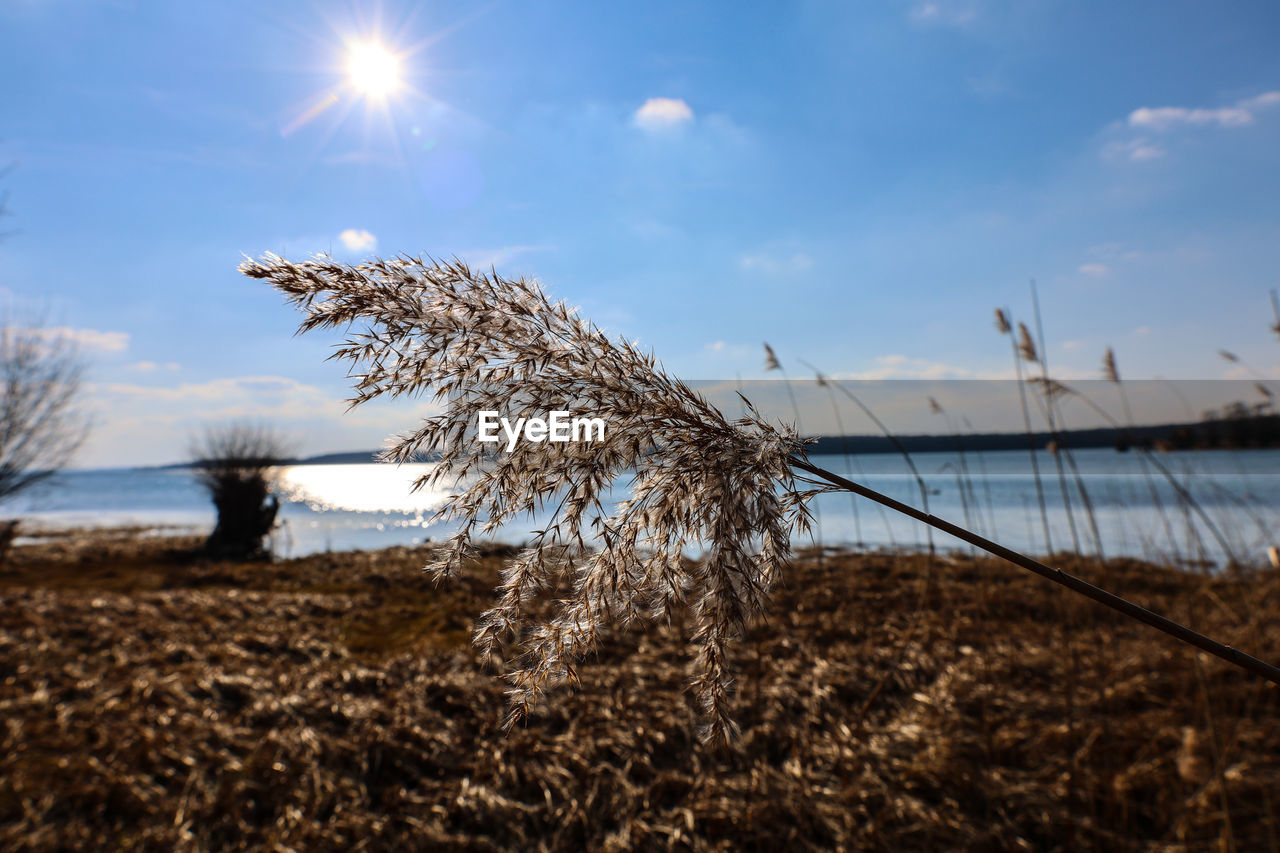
(893, 439)
(473, 341)
(772, 363)
(1022, 347)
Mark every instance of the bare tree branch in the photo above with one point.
(41, 425)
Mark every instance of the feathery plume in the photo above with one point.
(1002, 322)
(1229, 356)
(770, 360)
(1027, 344)
(1109, 369)
(475, 341)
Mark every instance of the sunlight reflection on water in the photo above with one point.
(362, 488)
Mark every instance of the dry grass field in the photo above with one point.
(151, 700)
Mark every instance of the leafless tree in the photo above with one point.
(41, 424)
(237, 464)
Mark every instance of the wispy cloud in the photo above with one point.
(87, 338)
(483, 258)
(773, 265)
(1114, 252)
(941, 13)
(232, 389)
(906, 367)
(1240, 114)
(151, 366)
(358, 240)
(662, 114)
(145, 423)
(724, 350)
(1133, 150)
(1094, 270)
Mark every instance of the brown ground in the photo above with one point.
(153, 701)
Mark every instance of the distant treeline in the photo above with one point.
(1234, 428)
(1232, 431)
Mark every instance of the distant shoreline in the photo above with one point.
(1255, 432)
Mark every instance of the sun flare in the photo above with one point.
(372, 69)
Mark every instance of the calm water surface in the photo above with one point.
(1136, 510)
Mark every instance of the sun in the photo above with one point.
(373, 69)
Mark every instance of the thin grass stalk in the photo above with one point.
(964, 502)
(1085, 500)
(825, 382)
(771, 362)
(915, 473)
(1181, 632)
(1215, 744)
(1049, 418)
(1112, 373)
(968, 496)
(1004, 324)
(848, 461)
(1066, 502)
(1191, 505)
(986, 480)
(1275, 309)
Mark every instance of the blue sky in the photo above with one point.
(860, 184)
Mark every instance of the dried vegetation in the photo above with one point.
(335, 702)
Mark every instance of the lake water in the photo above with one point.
(1137, 511)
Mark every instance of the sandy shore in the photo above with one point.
(152, 700)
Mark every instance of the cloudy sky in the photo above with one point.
(859, 184)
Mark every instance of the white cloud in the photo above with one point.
(768, 264)
(716, 346)
(1114, 252)
(216, 391)
(906, 367)
(358, 240)
(943, 14)
(1093, 269)
(662, 113)
(151, 366)
(1240, 114)
(485, 258)
(150, 423)
(87, 338)
(1134, 150)
(1071, 346)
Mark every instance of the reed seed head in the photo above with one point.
(1027, 344)
(1002, 322)
(473, 341)
(1109, 369)
(1049, 387)
(770, 360)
